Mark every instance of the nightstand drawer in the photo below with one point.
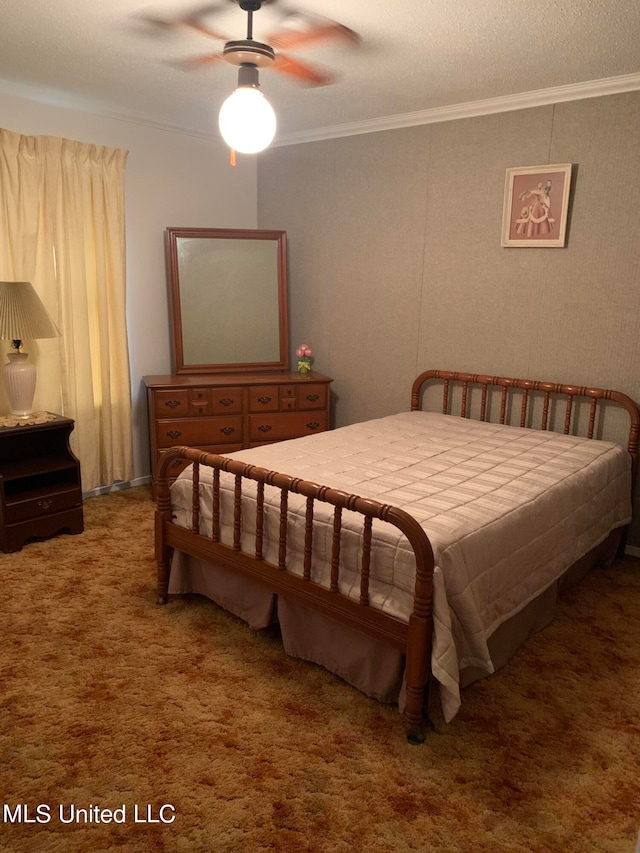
(32, 508)
(199, 431)
(281, 426)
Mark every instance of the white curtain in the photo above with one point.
(62, 228)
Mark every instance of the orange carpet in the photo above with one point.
(127, 726)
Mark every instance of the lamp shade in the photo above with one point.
(247, 121)
(22, 314)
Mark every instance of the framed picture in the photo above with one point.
(536, 200)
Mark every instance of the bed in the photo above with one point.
(414, 553)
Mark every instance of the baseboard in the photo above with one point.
(632, 550)
(117, 487)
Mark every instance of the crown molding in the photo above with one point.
(64, 100)
(472, 109)
(524, 100)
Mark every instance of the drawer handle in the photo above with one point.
(264, 400)
(313, 425)
(312, 398)
(227, 430)
(172, 404)
(46, 504)
(174, 433)
(176, 463)
(264, 427)
(227, 401)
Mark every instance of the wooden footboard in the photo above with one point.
(413, 639)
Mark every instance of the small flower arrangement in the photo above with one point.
(304, 354)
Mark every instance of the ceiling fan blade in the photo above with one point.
(310, 31)
(206, 31)
(154, 22)
(301, 71)
(194, 20)
(195, 62)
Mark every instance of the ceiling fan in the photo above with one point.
(247, 121)
(298, 30)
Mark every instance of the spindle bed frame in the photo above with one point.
(414, 638)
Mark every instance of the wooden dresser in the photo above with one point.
(224, 412)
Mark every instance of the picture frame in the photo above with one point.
(536, 202)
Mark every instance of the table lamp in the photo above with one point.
(22, 317)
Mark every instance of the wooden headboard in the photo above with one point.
(530, 401)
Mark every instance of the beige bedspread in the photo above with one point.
(507, 511)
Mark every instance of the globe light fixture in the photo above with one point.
(247, 121)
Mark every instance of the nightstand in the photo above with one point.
(40, 490)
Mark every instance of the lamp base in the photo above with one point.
(20, 384)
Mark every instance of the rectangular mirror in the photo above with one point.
(228, 292)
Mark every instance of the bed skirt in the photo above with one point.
(374, 668)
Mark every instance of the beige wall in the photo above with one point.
(395, 263)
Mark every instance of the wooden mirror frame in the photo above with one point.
(172, 236)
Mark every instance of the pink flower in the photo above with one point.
(304, 350)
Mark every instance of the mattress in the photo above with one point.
(507, 511)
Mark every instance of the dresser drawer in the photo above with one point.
(312, 397)
(171, 404)
(288, 398)
(286, 425)
(199, 431)
(32, 508)
(226, 401)
(264, 398)
(199, 402)
(215, 401)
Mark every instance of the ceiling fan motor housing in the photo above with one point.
(249, 52)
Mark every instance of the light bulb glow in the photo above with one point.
(247, 121)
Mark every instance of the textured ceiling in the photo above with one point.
(415, 56)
